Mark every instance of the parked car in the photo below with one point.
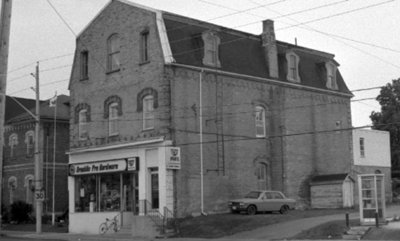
(262, 201)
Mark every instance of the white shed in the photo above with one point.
(332, 191)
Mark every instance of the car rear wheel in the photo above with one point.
(284, 209)
(251, 210)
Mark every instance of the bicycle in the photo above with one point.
(110, 224)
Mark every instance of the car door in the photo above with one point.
(268, 202)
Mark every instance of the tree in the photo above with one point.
(388, 119)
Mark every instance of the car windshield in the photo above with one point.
(253, 195)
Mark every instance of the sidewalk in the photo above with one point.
(279, 231)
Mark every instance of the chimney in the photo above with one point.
(270, 50)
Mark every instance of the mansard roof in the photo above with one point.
(243, 53)
(239, 52)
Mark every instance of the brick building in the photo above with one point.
(242, 111)
(18, 165)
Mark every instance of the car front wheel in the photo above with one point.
(251, 210)
(284, 209)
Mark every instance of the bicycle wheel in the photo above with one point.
(103, 228)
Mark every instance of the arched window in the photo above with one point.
(113, 119)
(12, 143)
(148, 112)
(260, 121)
(30, 142)
(331, 76)
(113, 53)
(12, 186)
(82, 124)
(211, 49)
(293, 67)
(30, 188)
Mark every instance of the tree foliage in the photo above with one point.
(388, 119)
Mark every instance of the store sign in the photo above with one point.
(97, 167)
(173, 158)
(133, 163)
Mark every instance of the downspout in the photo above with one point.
(201, 144)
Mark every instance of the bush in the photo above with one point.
(5, 215)
(21, 211)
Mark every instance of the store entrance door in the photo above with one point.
(155, 198)
(130, 201)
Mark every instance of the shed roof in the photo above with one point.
(330, 178)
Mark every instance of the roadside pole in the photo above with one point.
(5, 24)
(39, 197)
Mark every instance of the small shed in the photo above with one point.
(332, 191)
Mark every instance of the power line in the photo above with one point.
(337, 14)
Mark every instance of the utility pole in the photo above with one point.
(5, 24)
(39, 196)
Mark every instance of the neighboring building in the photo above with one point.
(371, 153)
(272, 115)
(18, 166)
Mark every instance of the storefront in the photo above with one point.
(121, 180)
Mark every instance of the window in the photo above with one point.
(148, 112)
(12, 186)
(113, 119)
(29, 141)
(82, 125)
(331, 76)
(293, 67)
(99, 193)
(260, 121)
(84, 65)
(12, 143)
(362, 147)
(113, 51)
(30, 188)
(211, 49)
(144, 46)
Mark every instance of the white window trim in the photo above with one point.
(260, 123)
(211, 39)
(288, 60)
(29, 191)
(82, 126)
(331, 84)
(27, 135)
(12, 143)
(112, 119)
(148, 115)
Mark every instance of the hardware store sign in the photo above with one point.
(97, 167)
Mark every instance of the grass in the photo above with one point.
(329, 230)
(220, 225)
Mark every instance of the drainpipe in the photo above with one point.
(201, 144)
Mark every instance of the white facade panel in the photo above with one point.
(371, 148)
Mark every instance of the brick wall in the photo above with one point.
(127, 83)
(299, 114)
(22, 165)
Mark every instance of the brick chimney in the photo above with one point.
(270, 50)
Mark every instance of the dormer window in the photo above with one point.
(211, 49)
(293, 67)
(331, 82)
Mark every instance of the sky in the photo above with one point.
(362, 34)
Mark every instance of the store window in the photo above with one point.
(102, 193)
(85, 193)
